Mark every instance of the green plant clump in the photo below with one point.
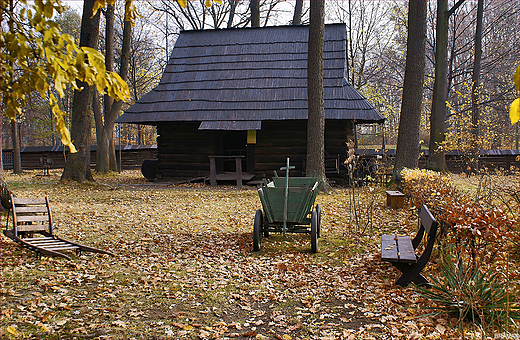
(472, 295)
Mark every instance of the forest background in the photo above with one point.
(376, 52)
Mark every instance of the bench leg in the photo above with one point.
(410, 273)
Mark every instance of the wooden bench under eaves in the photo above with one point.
(32, 229)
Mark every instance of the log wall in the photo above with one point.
(281, 139)
(183, 150)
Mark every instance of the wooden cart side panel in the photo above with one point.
(294, 181)
(310, 199)
(265, 205)
(275, 197)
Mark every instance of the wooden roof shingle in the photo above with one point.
(248, 75)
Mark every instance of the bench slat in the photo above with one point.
(32, 218)
(29, 201)
(46, 243)
(32, 239)
(31, 209)
(389, 248)
(62, 247)
(52, 244)
(406, 252)
(34, 227)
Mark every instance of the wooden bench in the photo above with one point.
(400, 250)
(394, 199)
(32, 229)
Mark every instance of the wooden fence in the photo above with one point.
(132, 156)
(456, 161)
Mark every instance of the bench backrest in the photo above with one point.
(427, 219)
(31, 215)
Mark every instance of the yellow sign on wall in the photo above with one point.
(251, 136)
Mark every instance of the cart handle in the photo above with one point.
(286, 197)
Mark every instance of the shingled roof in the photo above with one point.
(233, 79)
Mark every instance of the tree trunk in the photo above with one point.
(350, 48)
(315, 98)
(102, 155)
(77, 166)
(408, 148)
(297, 16)
(114, 164)
(232, 9)
(475, 111)
(102, 159)
(115, 110)
(17, 157)
(109, 50)
(1, 151)
(254, 6)
(106, 155)
(437, 159)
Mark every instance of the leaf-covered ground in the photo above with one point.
(184, 268)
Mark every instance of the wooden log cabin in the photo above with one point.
(230, 92)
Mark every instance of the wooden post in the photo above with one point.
(286, 196)
(212, 172)
(238, 162)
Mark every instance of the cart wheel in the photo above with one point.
(318, 212)
(314, 232)
(257, 230)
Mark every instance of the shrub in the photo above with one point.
(477, 230)
(504, 190)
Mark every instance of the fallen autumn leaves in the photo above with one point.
(184, 269)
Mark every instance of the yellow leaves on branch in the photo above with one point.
(130, 9)
(209, 3)
(62, 129)
(130, 12)
(47, 60)
(101, 4)
(116, 87)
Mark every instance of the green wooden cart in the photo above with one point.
(287, 205)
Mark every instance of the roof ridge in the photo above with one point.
(257, 28)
